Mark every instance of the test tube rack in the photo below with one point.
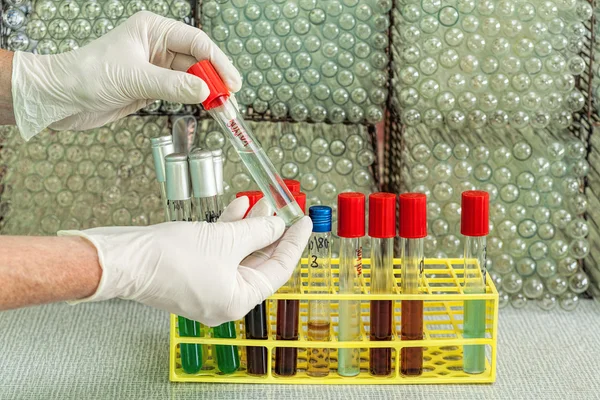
(443, 333)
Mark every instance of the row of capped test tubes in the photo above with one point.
(382, 230)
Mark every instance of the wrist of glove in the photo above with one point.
(202, 271)
(141, 60)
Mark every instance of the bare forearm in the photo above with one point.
(39, 270)
(7, 116)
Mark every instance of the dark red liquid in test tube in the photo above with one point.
(256, 319)
(288, 311)
(412, 329)
(286, 358)
(381, 330)
(256, 328)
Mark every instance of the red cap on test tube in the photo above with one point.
(474, 216)
(218, 90)
(253, 196)
(292, 184)
(300, 199)
(351, 215)
(413, 216)
(382, 215)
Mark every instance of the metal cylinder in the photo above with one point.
(218, 166)
(202, 173)
(178, 181)
(161, 147)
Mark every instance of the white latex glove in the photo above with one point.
(137, 62)
(196, 269)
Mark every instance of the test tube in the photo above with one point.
(382, 230)
(412, 230)
(220, 107)
(288, 312)
(351, 228)
(319, 282)
(204, 185)
(204, 188)
(179, 207)
(474, 225)
(256, 319)
(217, 157)
(161, 147)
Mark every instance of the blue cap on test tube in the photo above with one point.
(321, 218)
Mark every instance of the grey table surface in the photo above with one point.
(119, 350)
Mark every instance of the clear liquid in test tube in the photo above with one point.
(351, 228)
(319, 282)
(474, 226)
(412, 230)
(223, 110)
(218, 166)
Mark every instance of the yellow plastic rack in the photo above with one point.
(443, 340)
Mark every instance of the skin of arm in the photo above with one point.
(70, 270)
(7, 116)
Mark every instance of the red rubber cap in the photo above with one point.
(292, 184)
(474, 216)
(351, 215)
(254, 196)
(218, 91)
(413, 215)
(382, 215)
(300, 199)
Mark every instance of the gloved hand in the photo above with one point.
(137, 62)
(196, 269)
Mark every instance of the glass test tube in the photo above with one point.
(253, 156)
(475, 227)
(412, 230)
(218, 166)
(288, 313)
(351, 228)
(256, 319)
(179, 207)
(205, 207)
(161, 147)
(382, 229)
(319, 282)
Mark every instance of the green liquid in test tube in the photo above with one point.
(351, 228)
(475, 227)
(220, 107)
(204, 185)
(179, 207)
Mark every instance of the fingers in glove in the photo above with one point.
(262, 208)
(252, 234)
(236, 210)
(186, 39)
(155, 82)
(263, 280)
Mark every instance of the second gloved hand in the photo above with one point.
(197, 270)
